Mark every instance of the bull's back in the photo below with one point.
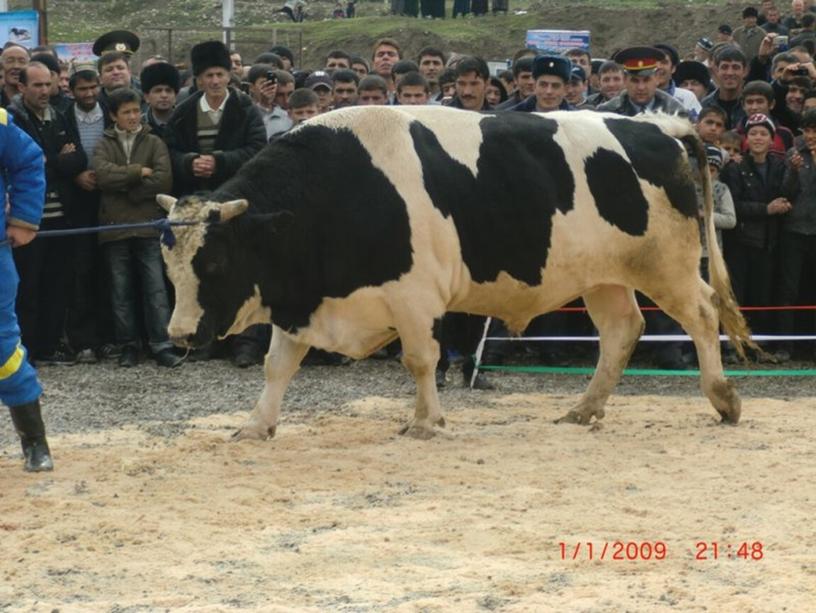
(509, 196)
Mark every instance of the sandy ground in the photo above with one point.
(339, 513)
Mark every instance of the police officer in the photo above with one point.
(551, 74)
(641, 91)
(21, 161)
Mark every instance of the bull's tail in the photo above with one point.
(730, 316)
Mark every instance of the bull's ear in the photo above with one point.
(166, 202)
(231, 209)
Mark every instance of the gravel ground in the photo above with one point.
(85, 398)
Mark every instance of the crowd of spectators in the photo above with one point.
(114, 139)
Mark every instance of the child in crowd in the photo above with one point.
(711, 125)
(132, 167)
(731, 143)
(725, 217)
(751, 247)
(303, 104)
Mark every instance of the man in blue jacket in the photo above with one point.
(22, 178)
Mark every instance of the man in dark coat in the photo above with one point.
(43, 265)
(214, 131)
(210, 136)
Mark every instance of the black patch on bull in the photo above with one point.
(349, 230)
(657, 159)
(617, 193)
(503, 215)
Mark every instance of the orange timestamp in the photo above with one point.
(715, 550)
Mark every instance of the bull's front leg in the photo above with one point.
(420, 354)
(281, 364)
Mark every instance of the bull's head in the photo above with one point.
(213, 268)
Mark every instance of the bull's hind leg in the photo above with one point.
(281, 364)
(691, 305)
(420, 354)
(615, 313)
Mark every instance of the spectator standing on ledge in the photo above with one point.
(23, 179)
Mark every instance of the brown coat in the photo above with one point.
(127, 197)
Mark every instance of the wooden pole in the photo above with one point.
(42, 9)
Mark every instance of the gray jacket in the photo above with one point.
(800, 188)
(622, 105)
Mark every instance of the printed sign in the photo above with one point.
(21, 27)
(557, 41)
(79, 51)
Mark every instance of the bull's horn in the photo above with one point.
(231, 209)
(166, 202)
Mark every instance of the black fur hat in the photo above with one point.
(160, 73)
(210, 54)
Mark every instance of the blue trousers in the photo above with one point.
(127, 258)
(18, 379)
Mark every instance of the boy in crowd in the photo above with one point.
(751, 247)
(372, 90)
(758, 98)
(711, 125)
(132, 168)
(413, 89)
(303, 104)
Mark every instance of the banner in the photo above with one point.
(79, 51)
(21, 27)
(557, 41)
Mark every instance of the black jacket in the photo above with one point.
(752, 194)
(241, 134)
(52, 136)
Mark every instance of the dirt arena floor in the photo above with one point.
(151, 509)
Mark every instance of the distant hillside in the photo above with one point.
(613, 25)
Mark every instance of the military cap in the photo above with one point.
(690, 69)
(118, 40)
(640, 61)
(553, 65)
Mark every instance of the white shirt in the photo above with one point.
(689, 101)
(92, 116)
(215, 114)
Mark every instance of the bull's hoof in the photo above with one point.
(730, 418)
(422, 430)
(253, 433)
(582, 417)
(727, 402)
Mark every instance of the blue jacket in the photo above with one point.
(22, 175)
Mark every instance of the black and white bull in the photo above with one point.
(368, 224)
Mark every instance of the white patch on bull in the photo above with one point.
(179, 261)
(457, 131)
(251, 312)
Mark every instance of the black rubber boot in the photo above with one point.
(28, 422)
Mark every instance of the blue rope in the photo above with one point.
(163, 225)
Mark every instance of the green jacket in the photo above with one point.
(127, 197)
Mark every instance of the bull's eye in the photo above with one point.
(212, 268)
